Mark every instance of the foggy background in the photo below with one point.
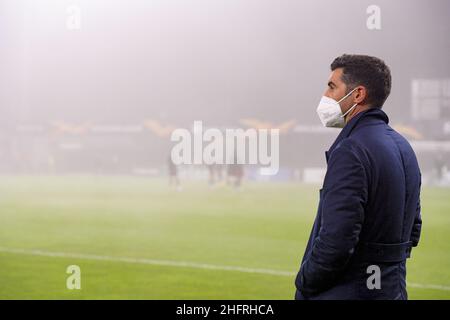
(104, 97)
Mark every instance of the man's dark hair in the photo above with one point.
(367, 71)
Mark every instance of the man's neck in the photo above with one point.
(358, 109)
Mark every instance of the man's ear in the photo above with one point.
(360, 94)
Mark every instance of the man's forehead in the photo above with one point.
(335, 76)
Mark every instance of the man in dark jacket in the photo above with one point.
(368, 216)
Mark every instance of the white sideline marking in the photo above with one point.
(170, 263)
(146, 261)
(428, 286)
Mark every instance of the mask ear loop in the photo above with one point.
(343, 116)
(346, 95)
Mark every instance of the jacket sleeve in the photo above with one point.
(344, 197)
(417, 226)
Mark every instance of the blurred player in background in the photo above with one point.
(173, 174)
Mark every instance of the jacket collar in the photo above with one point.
(369, 115)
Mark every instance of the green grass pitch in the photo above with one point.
(265, 226)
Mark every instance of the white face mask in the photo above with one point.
(330, 112)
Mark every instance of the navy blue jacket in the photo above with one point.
(368, 214)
